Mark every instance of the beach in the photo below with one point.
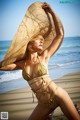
(21, 102)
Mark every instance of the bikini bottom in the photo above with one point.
(44, 89)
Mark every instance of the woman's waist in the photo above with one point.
(38, 80)
(41, 83)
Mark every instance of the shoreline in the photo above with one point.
(21, 102)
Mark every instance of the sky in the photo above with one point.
(13, 11)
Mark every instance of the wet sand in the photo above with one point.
(21, 102)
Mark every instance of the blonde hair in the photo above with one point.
(36, 37)
(32, 40)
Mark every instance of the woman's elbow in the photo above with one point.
(61, 36)
(61, 33)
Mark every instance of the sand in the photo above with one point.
(20, 103)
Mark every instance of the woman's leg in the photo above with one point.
(41, 112)
(66, 104)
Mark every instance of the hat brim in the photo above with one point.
(36, 21)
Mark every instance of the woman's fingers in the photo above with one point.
(46, 7)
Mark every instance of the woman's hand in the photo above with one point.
(47, 7)
(12, 66)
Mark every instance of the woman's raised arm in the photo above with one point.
(59, 32)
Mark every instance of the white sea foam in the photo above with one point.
(10, 75)
(63, 65)
(70, 63)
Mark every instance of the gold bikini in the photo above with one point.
(39, 70)
(43, 87)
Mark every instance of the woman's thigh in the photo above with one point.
(66, 104)
(41, 112)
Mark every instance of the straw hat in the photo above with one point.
(36, 21)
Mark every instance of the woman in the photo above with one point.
(35, 71)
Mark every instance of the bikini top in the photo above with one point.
(39, 70)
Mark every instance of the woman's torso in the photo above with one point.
(39, 81)
(38, 69)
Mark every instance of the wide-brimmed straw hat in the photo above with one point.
(35, 22)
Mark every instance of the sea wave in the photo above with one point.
(9, 75)
(67, 53)
(63, 65)
(4, 47)
(2, 52)
(70, 47)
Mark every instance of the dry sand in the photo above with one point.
(20, 103)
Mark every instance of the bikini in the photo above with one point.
(39, 70)
(41, 85)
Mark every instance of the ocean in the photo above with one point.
(66, 60)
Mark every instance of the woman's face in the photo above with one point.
(37, 44)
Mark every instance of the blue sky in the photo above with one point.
(13, 11)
